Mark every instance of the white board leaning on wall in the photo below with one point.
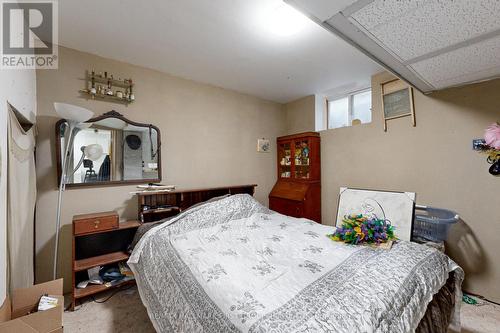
(396, 207)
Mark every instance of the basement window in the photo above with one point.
(350, 110)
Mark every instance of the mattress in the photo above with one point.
(235, 266)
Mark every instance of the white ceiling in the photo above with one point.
(226, 43)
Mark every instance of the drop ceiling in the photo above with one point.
(225, 43)
(432, 44)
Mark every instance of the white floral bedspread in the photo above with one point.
(235, 266)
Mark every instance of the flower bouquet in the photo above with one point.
(491, 147)
(358, 229)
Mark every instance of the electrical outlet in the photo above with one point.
(477, 144)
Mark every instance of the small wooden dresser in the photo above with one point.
(297, 192)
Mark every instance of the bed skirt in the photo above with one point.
(439, 312)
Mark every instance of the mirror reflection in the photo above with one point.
(112, 150)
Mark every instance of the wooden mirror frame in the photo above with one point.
(110, 114)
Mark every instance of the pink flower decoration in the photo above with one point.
(492, 136)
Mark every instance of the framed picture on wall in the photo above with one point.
(397, 101)
(263, 145)
(396, 207)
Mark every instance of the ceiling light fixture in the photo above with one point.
(285, 21)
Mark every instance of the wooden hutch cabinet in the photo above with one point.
(297, 192)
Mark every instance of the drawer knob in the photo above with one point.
(96, 224)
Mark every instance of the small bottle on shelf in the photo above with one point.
(131, 96)
(109, 92)
(93, 91)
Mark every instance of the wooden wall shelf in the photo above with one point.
(96, 86)
(114, 82)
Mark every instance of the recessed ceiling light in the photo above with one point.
(285, 21)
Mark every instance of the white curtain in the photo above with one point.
(21, 198)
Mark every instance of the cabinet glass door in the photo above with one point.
(301, 159)
(285, 160)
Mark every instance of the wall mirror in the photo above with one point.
(110, 150)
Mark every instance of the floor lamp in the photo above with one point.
(75, 116)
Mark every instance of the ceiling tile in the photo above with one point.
(472, 63)
(412, 28)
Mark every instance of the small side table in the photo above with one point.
(98, 240)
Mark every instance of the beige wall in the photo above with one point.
(436, 161)
(209, 138)
(300, 115)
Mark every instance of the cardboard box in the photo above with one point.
(21, 308)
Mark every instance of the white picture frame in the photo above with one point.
(396, 207)
(263, 146)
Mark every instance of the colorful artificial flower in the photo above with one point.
(358, 229)
(492, 136)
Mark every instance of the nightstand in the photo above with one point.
(98, 240)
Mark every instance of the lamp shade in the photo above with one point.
(93, 152)
(73, 113)
(82, 126)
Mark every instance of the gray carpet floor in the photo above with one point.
(125, 313)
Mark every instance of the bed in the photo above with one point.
(235, 266)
